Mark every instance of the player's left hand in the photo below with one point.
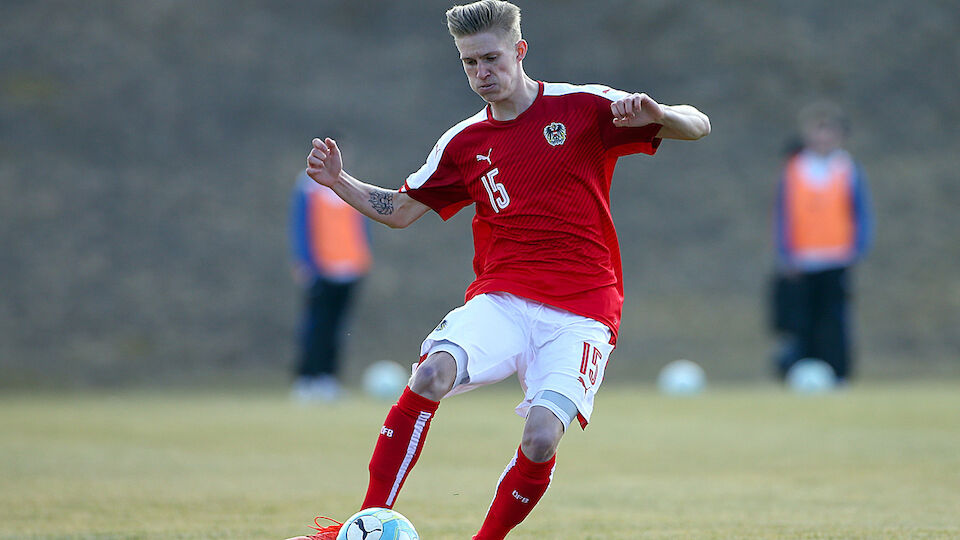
(636, 110)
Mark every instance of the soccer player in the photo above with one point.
(536, 162)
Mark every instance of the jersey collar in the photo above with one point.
(536, 101)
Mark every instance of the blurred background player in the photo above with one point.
(536, 163)
(823, 227)
(331, 250)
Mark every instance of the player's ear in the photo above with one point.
(521, 50)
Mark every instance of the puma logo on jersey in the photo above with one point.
(486, 158)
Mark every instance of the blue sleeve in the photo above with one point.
(368, 234)
(299, 232)
(781, 226)
(863, 213)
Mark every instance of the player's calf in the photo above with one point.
(522, 485)
(401, 440)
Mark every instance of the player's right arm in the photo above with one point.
(390, 207)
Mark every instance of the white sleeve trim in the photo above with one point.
(423, 174)
(560, 89)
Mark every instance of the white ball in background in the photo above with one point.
(385, 379)
(681, 378)
(811, 376)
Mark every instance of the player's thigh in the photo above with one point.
(487, 340)
(572, 363)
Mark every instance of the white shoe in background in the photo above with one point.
(313, 389)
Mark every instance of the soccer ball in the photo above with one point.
(385, 380)
(377, 524)
(811, 376)
(681, 378)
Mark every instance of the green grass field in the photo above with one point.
(869, 462)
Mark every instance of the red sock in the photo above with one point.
(401, 440)
(520, 488)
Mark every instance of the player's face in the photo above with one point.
(492, 64)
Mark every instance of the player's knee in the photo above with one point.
(540, 445)
(435, 376)
(541, 435)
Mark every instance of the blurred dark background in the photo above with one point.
(147, 151)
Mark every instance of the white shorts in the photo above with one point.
(495, 335)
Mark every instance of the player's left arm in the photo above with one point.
(683, 122)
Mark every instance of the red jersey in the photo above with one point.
(541, 185)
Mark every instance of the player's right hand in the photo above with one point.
(324, 162)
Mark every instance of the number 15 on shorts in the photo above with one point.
(590, 365)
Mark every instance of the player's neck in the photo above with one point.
(521, 100)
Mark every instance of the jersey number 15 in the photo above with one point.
(497, 192)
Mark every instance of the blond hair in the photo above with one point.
(483, 16)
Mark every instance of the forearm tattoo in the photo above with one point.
(381, 200)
